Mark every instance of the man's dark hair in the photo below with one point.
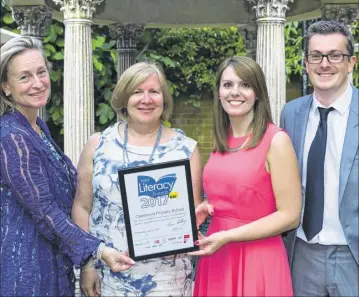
(330, 27)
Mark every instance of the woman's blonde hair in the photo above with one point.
(250, 72)
(8, 51)
(130, 79)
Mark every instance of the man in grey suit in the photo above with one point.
(323, 127)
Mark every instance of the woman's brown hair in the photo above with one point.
(250, 72)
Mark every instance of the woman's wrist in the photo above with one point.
(100, 250)
(202, 203)
(96, 256)
(90, 263)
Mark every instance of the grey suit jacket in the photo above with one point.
(294, 119)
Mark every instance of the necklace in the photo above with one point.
(126, 159)
(38, 130)
(238, 148)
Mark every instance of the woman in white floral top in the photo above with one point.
(142, 100)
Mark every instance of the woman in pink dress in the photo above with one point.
(253, 187)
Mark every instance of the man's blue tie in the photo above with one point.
(314, 192)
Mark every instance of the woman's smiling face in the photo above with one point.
(237, 96)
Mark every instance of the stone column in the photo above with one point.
(249, 33)
(270, 15)
(342, 13)
(78, 75)
(33, 21)
(126, 36)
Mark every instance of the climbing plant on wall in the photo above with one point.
(191, 57)
(293, 50)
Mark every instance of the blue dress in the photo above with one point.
(167, 276)
(39, 242)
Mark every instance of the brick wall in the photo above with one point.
(294, 90)
(196, 122)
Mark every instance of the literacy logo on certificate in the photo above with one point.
(159, 209)
(157, 193)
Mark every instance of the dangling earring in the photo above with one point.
(164, 105)
(124, 111)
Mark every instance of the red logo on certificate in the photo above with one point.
(186, 237)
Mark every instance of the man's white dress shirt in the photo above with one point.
(332, 231)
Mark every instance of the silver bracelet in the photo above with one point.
(100, 249)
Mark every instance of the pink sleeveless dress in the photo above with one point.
(240, 189)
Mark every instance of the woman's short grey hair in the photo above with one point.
(330, 27)
(8, 51)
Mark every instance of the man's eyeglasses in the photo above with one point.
(332, 58)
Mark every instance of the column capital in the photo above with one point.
(126, 35)
(32, 20)
(78, 9)
(343, 13)
(270, 8)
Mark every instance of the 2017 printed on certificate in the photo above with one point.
(158, 209)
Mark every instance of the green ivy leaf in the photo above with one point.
(101, 82)
(107, 94)
(50, 34)
(56, 75)
(103, 119)
(114, 57)
(47, 52)
(60, 42)
(97, 42)
(105, 113)
(111, 115)
(102, 109)
(56, 115)
(155, 57)
(98, 65)
(7, 19)
(59, 29)
(108, 45)
(168, 62)
(58, 56)
(50, 48)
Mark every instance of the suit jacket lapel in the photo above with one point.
(301, 120)
(350, 147)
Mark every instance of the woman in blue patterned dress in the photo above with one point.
(141, 99)
(39, 241)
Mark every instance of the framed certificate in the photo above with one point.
(158, 209)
